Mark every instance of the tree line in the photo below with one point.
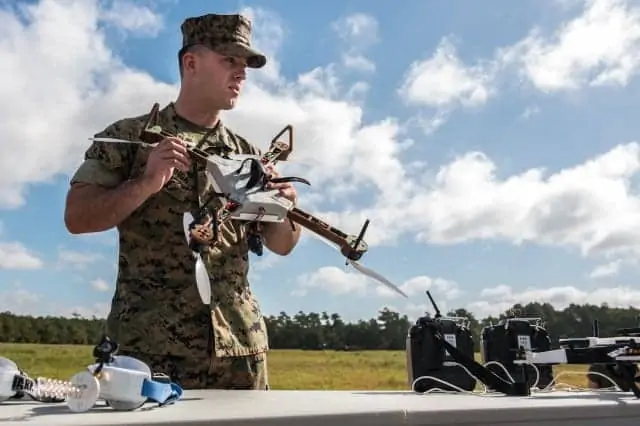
(316, 331)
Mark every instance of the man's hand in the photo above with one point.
(169, 154)
(286, 189)
(280, 238)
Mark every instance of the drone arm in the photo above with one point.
(278, 150)
(319, 227)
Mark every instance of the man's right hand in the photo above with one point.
(169, 154)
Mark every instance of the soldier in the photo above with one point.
(156, 311)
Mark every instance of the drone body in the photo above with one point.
(242, 180)
(241, 183)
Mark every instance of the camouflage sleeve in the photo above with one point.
(105, 164)
(246, 147)
(254, 150)
(242, 145)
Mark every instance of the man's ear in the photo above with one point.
(188, 61)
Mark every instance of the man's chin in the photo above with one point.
(230, 105)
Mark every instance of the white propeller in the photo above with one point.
(203, 281)
(363, 269)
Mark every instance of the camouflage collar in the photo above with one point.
(215, 137)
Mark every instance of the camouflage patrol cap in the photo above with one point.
(225, 34)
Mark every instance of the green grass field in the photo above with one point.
(288, 369)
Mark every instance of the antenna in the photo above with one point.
(435, 307)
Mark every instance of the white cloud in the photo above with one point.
(443, 81)
(497, 300)
(76, 259)
(14, 255)
(332, 279)
(529, 112)
(100, 285)
(132, 18)
(360, 29)
(466, 200)
(599, 47)
(606, 270)
(416, 287)
(358, 32)
(339, 281)
(21, 301)
(267, 261)
(358, 62)
(65, 84)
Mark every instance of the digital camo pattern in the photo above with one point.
(156, 307)
(237, 373)
(226, 34)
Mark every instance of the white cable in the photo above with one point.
(614, 388)
(509, 376)
(534, 388)
(535, 368)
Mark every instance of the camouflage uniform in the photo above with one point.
(156, 313)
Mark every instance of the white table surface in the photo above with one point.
(310, 408)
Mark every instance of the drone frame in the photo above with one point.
(352, 247)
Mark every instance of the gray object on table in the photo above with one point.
(352, 408)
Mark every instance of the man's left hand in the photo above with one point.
(286, 189)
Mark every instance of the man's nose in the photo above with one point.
(241, 73)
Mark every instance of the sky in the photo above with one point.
(493, 145)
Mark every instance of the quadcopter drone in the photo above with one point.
(241, 181)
